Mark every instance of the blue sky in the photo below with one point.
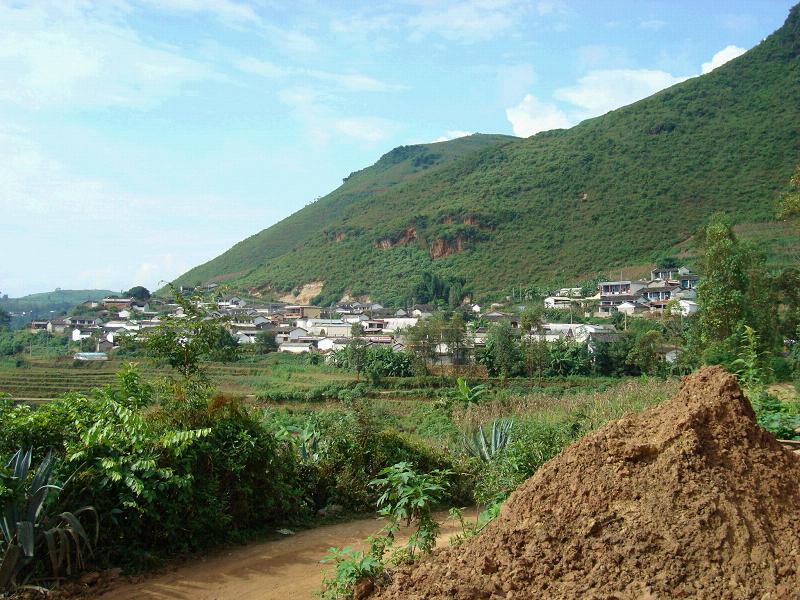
(139, 138)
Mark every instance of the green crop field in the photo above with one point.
(44, 379)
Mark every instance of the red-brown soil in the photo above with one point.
(690, 499)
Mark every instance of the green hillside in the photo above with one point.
(402, 164)
(610, 192)
(40, 306)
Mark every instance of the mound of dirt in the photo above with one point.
(690, 499)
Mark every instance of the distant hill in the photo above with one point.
(38, 306)
(614, 191)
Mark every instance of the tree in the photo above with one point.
(537, 356)
(736, 290)
(531, 318)
(140, 293)
(357, 349)
(454, 335)
(787, 286)
(266, 342)
(568, 358)
(185, 341)
(226, 346)
(789, 204)
(422, 340)
(5, 319)
(644, 353)
(669, 262)
(502, 350)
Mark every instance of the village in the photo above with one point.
(99, 327)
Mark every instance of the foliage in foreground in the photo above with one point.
(34, 538)
(407, 498)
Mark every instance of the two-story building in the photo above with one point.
(302, 311)
(614, 293)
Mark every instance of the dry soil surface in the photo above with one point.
(690, 499)
(284, 569)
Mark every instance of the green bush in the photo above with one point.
(533, 443)
(782, 419)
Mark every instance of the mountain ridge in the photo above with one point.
(611, 191)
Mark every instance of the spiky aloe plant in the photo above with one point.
(486, 447)
(25, 526)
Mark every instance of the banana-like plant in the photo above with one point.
(25, 526)
(486, 447)
(469, 395)
(308, 444)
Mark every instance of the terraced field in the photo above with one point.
(43, 379)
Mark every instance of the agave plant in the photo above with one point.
(486, 447)
(25, 526)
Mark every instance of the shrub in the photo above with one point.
(534, 443)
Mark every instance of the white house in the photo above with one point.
(328, 327)
(296, 347)
(395, 324)
(557, 302)
(687, 308)
(329, 344)
(290, 334)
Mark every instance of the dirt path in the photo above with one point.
(283, 569)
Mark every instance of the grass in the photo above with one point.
(595, 407)
(50, 378)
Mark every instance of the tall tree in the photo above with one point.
(789, 204)
(503, 350)
(185, 341)
(454, 335)
(736, 290)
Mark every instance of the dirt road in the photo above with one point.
(283, 569)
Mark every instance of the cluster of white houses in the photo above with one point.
(668, 286)
(304, 328)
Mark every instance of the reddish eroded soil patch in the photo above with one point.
(690, 499)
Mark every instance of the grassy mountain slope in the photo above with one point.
(609, 192)
(402, 164)
(39, 306)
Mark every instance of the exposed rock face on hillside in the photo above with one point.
(690, 499)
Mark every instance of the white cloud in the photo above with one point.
(598, 92)
(602, 90)
(52, 56)
(452, 134)
(241, 15)
(83, 232)
(652, 24)
(513, 81)
(353, 82)
(547, 8)
(313, 110)
(225, 10)
(262, 68)
(721, 57)
(369, 129)
(532, 116)
(158, 269)
(465, 20)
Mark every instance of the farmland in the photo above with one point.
(41, 379)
